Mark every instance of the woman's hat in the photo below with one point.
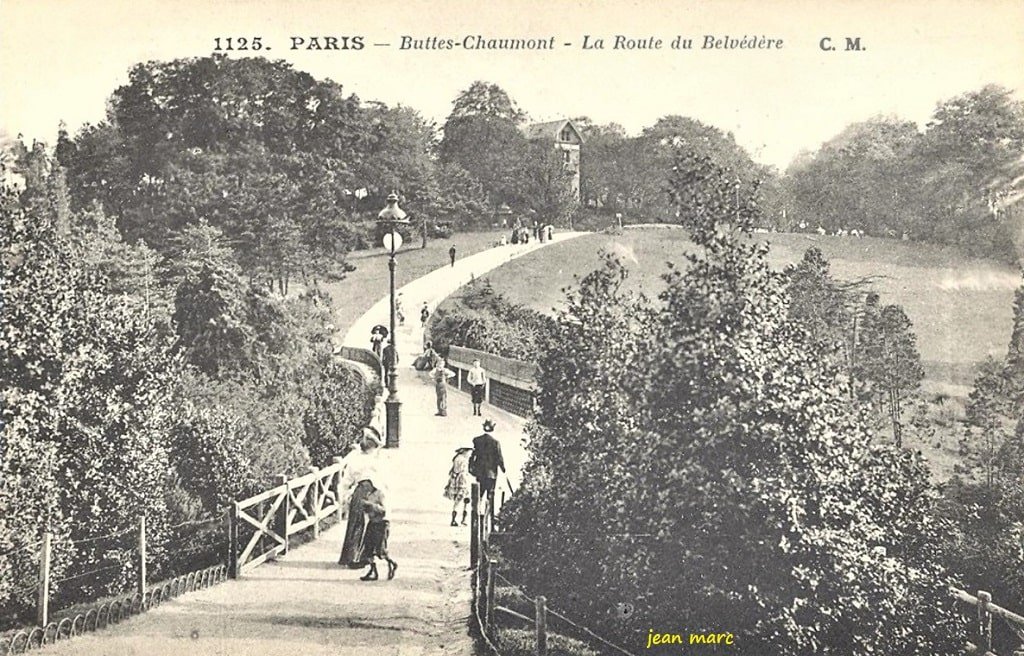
(463, 449)
(371, 435)
(488, 425)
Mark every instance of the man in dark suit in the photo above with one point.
(486, 461)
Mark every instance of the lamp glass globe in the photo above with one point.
(392, 241)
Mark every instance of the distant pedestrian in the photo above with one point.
(441, 374)
(451, 254)
(377, 415)
(399, 311)
(424, 315)
(377, 336)
(390, 361)
(477, 379)
(486, 461)
(427, 360)
(375, 538)
(458, 489)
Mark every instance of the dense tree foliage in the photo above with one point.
(669, 469)
(630, 175)
(136, 384)
(957, 182)
(482, 138)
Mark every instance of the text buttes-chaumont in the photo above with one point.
(475, 42)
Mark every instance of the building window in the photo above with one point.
(566, 156)
(566, 134)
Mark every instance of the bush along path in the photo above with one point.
(304, 602)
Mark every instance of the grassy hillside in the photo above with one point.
(961, 307)
(360, 289)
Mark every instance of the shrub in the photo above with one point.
(522, 642)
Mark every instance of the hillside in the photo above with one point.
(960, 307)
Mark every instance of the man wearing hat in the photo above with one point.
(486, 461)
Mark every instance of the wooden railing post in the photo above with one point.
(984, 642)
(474, 526)
(316, 504)
(542, 625)
(142, 555)
(234, 569)
(489, 598)
(481, 597)
(43, 600)
(281, 521)
(336, 483)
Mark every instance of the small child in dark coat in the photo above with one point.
(375, 539)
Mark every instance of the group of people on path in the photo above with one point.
(363, 492)
(440, 374)
(481, 461)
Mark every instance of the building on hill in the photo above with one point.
(567, 139)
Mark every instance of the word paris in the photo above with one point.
(620, 42)
(654, 639)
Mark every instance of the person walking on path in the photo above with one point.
(486, 461)
(458, 489)
(375, 539)
(477, 378)
(424, 315)
(451, 254)
(441, 373)
(389, 360)
(360, 477)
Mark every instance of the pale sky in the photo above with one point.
(60, 60)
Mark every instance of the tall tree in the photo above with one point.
(486, 99)
(889, 362)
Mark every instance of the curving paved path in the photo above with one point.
(304, 603)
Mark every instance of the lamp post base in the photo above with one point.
(393, 415)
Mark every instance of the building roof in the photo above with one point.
(550, 130)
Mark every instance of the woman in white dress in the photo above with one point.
(360, 476)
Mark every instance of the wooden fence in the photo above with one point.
(485, 573)
(511, 384)
(261, 525)
(980, 641)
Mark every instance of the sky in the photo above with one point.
(60, 60)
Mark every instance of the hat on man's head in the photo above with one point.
(488, 425)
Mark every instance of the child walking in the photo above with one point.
(458, 489)
(375, 540)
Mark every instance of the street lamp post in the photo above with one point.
(392, 216)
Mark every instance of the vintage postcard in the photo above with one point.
(570, 327)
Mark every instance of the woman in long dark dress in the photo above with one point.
(358, 480)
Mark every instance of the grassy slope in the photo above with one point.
(961, 307)
(360, 289)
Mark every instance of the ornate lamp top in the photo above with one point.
(393, 213)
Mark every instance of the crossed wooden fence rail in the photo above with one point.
(259, 529)
(261, 526)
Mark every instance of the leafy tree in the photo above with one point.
(988, 424)
(483, 99)
(89, 383)
(669, 469)
(856, 180)
(490, 149)
(888, 361)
